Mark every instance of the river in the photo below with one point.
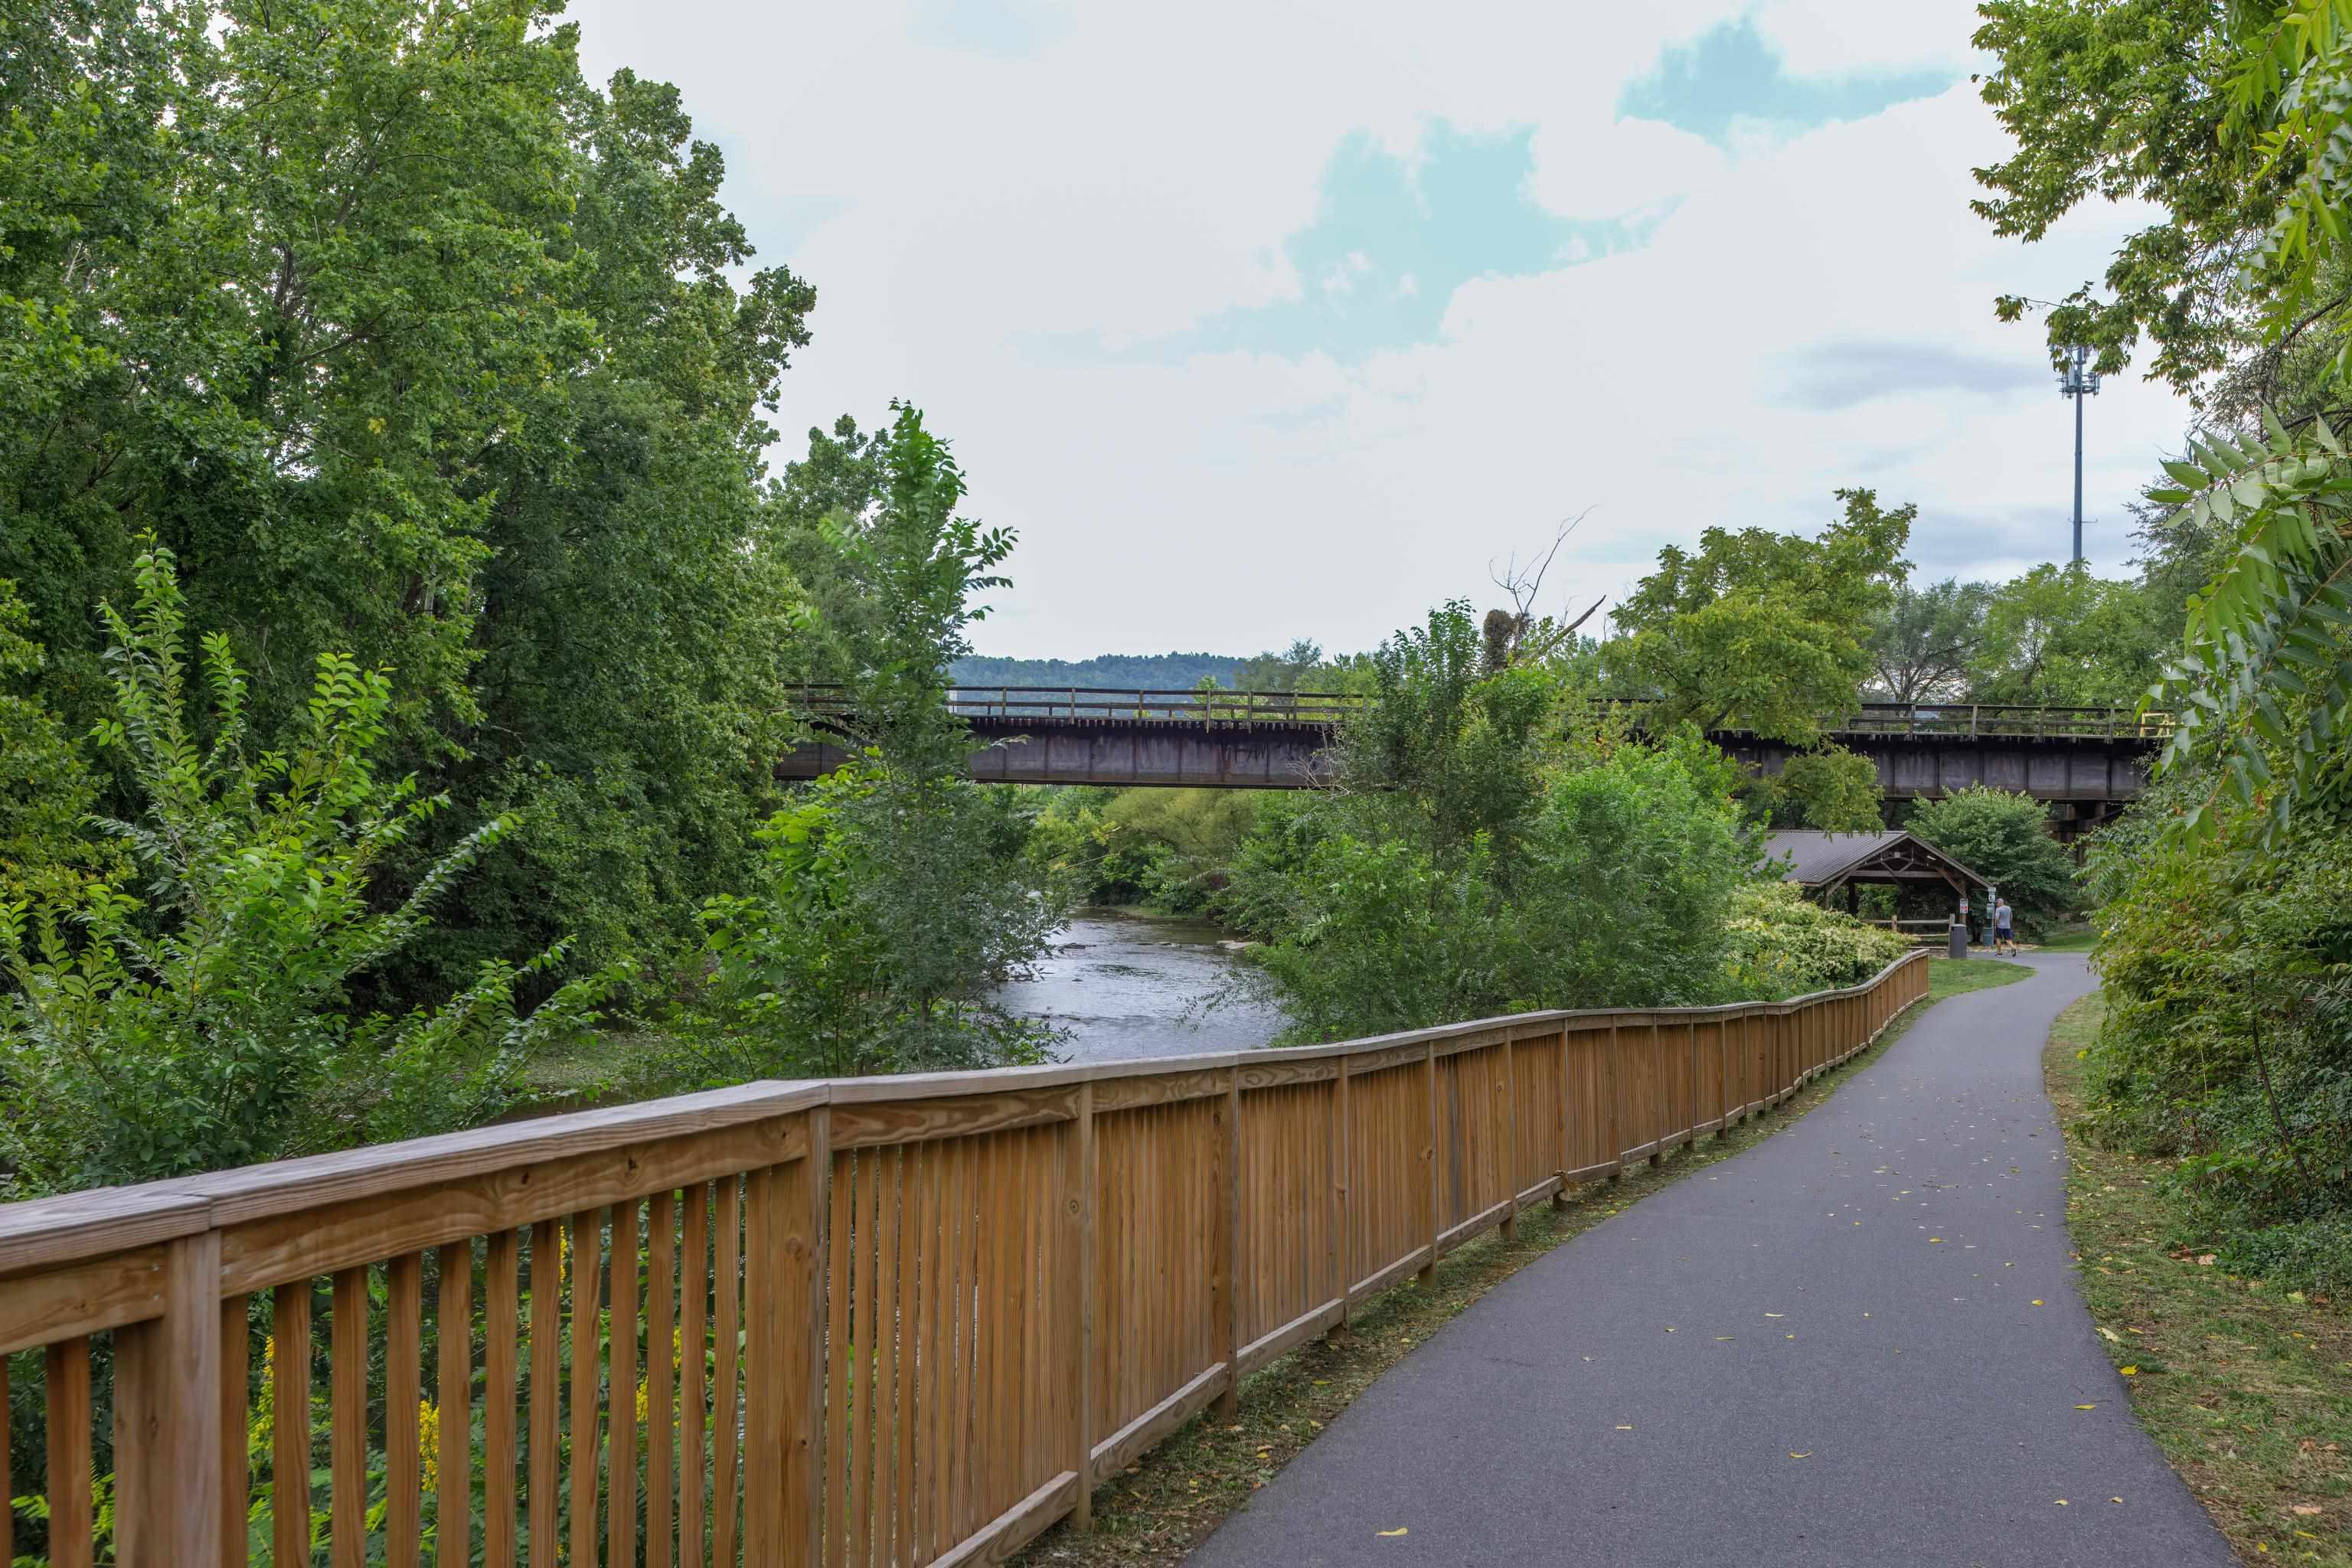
(1120, 985)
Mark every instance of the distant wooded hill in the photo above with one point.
(1142, 672)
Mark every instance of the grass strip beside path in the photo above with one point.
(1170, 1501)
(2247, 1390)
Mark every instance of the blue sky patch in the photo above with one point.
(1390, 242)
(1730, 74)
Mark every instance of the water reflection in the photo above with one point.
(1129, 985)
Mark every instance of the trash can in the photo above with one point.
(1960, 939)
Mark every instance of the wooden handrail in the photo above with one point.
(941, 1308)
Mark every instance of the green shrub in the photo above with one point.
(887, 912)
(1783, 944)
(1614, 896)
(2005, 839)
(208, 1020)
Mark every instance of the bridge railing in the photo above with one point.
(909, 1319)
(1079, 704)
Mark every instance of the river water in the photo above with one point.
(1121, 985)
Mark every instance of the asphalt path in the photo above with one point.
(1858, 1342)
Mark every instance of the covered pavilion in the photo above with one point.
(1824, 863)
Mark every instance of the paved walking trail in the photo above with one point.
(1856, 1371)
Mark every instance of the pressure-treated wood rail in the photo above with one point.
(878, 1321)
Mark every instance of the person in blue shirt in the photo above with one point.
(2004, 937)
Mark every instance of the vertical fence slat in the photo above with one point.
(728, 1278)
(289, 1447)
(403, 1463)
(1225, 1296)
(841, 1384)
(883, 1352)
(236, 1468)
(694, 1292)
(621, 1441)
(935, 1535)
(661, 1420)
(1078, 1189)
(803, 1338)
(453, 1455)
(586, 1234)
(501, 1337)
(347, 1382)
(546, 1388)
(762, 1489)
(65, 1394)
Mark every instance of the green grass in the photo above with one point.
(1950, 976)
(1166, 1503)
(2069, 939)
(2248, 1391)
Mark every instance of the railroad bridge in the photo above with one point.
(2086, 762)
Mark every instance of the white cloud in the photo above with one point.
(1596, 166)
(1830, 37)
(1139, 172)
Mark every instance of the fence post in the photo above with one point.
(1343, 1167)
(1616, 1150)
(1429, 1155)
(805, 1214)
(1079, 1208)
(1225, 1329)
(1659, 1092)
(1511, 1143)
(1559, 1198)
(167, 1453)
(1690, 1030)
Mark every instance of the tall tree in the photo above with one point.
(1925, 642)
(408, 342)
(2059, 636)
(1764, 631)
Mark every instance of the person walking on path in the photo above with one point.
(2004, 937)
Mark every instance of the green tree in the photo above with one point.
(1630, 860)
(407, 340)
(209, 1019)
(2058, 636)
(1764, 631)
(46, 787)
(2004, 839)
(1447, 747)
(1833, 790)
(893, 899)
(2126, 101)
(1925, 641)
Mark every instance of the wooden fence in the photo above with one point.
(878, 1321)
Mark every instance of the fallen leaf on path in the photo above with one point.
(1400, 1529)
(1624, 1428)
(2062, 1503)
(2037, 1303)
(2086, 1407)
(1806, 1454)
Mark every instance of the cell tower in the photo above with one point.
(2078, 381)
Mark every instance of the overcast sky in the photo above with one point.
(1277, 319)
